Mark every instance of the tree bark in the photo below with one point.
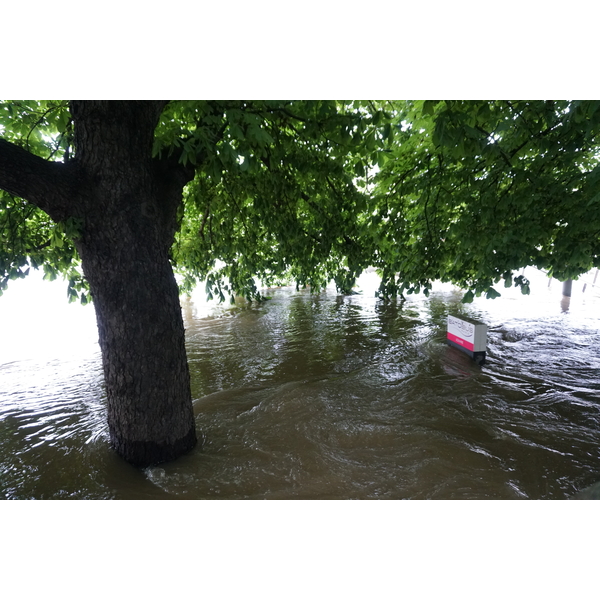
(127, 204)
(141, 336)
(130, 220)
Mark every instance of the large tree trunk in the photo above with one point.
(141, 336)
(129, 214)
(126, 202)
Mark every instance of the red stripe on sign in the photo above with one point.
(461, 342)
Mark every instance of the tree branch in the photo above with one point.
(48, 185)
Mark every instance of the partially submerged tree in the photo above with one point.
(129, 190)
(116, 195)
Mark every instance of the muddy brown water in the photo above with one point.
(326, 397)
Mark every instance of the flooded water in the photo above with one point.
(320, 397)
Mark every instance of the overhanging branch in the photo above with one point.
(48, 185)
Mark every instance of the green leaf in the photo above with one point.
(491, 293)
(429, 106)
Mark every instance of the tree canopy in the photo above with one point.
(473, 191)
(273, 194)
(312, 191)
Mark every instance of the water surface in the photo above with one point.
(322, 397)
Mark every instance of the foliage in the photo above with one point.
(28, 237)
(275, 195)
(473, 191)
(312, 191)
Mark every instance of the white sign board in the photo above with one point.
(471, 337)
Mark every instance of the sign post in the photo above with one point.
(470, 337)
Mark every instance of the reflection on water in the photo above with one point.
(334, 397)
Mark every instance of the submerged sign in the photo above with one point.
(469, 337)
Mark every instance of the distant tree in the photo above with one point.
(115, 195)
